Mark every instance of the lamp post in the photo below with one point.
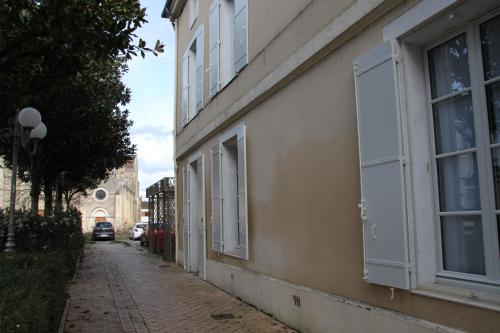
(26, 126)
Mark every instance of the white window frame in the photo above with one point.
(192, 86)
(411, 32)
(193, 12)
(483, 158)
(226, 71)
(233, 247)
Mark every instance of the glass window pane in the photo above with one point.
(493, 100)
(490, 43)
(454, 124)
(449, 67)
(458, 183)
(463, 248)
(495, 157)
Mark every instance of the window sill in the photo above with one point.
(233, 254)
(482, 299)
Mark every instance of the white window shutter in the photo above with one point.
(242, 195)
(185, 216)
(201, 213)
(185, 89)
(217, 240)
(214, 47)
(383, 203)
(240, 34)
(199, 71)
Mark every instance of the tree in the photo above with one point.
(66, 58)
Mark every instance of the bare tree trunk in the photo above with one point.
(36, 184)
(59, 199)
(48, 193)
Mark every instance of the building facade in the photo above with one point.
(23, 200)
(116, 200)
(144, 211)
(337, 160)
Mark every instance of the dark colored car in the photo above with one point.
(103, 230)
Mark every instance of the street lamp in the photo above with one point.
(25, 127)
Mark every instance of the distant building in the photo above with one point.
(144, 211)
(22, 190)
(115, 200)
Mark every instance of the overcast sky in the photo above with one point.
(152, 83)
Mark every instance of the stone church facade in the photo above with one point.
(116, 200)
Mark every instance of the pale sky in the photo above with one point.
(152, 106)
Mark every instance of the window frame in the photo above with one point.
(100, 189)
(191, 110)
(238, 250)
(413, 33)
(194, 6)
(227, 73)
(483, 159)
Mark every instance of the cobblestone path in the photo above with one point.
(122, 289)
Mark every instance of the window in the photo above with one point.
(229, 194)
(464, 94)
(193, 12)
(192, 79)
(228, 41)
(100, 194)
(428, 150)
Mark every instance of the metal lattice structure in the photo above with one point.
(161, 197)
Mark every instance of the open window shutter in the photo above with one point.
(217, 243)
(185, 216)
(214, 47)
(185, 88)
(199, 71)
(240, 34)
(383, 205)
(199, 217)
(242, 195)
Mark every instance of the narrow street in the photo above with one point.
(122, 288)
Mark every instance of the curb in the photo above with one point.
(64, 315)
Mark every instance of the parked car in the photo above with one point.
(136, 232)
(144, 239)
(103, 230)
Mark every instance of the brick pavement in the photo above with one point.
(122, 289)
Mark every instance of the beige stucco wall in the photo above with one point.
(303, 168)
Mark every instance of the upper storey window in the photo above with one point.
(193, 12)
(192, 78)
(228, 41)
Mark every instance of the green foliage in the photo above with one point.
(66, 58)
(32, 281)
(61, 232)
(31, 293)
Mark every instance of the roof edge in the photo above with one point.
(173, 9)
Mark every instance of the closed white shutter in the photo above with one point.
(199, 70)
(242, 195)
(240, 34)
(214, 47)
(217, 241)
(185, 89)
(383, 203)
(199, 218)
(185, 216)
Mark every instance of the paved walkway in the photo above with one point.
(122, 289)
